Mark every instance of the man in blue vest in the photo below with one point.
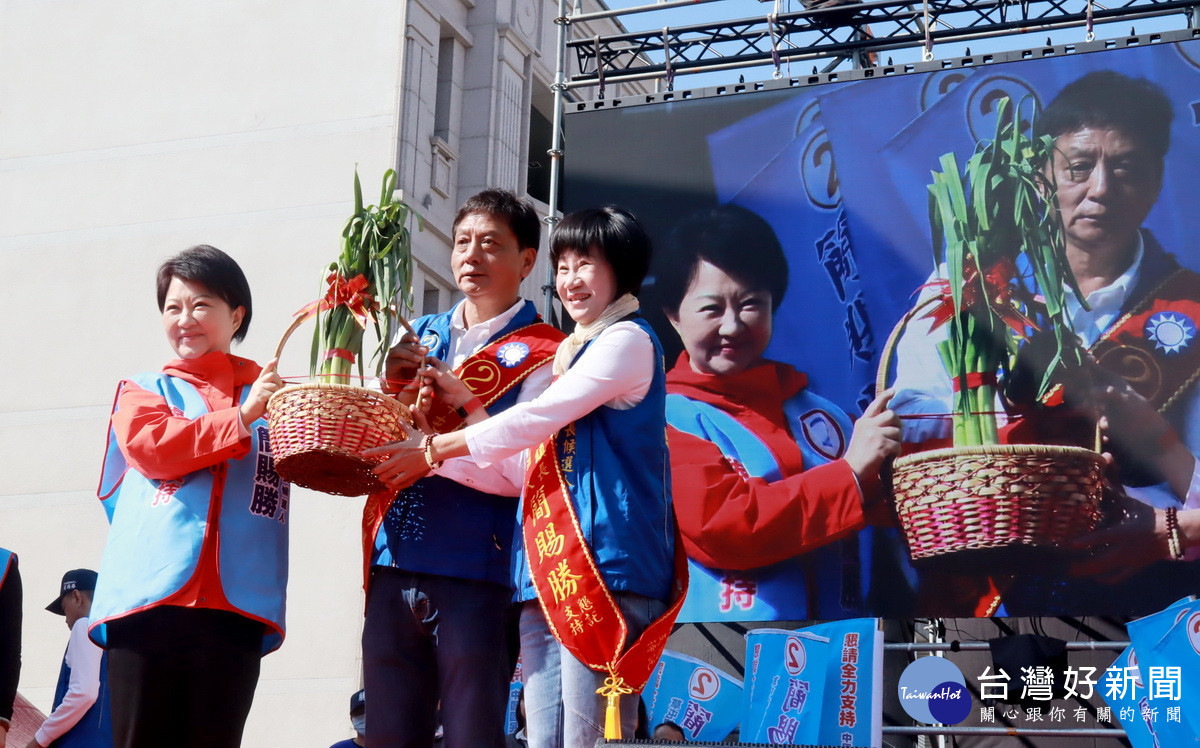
(80, 717)
(438, 553)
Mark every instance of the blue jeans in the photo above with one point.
(429, 638)
(562, 708)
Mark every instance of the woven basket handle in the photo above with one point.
(889, 349)
(301, 320)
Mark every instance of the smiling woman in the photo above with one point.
(597, 433)
(191, 586)
(771, 481)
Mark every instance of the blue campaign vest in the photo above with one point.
(620, 482)
(158, 528)
(94, 728)
(825, 583)
(438, 526)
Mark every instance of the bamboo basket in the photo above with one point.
(998, 496)
(319, 431)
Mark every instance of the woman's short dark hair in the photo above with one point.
(517, 212)
(214, 270)
(613, 232)
(730, 237)
(1107, 99)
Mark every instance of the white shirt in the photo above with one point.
(83, 657)
(465, 342)
(615, 371)
(1105, 303)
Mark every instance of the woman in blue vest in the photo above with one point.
(191, 587)
(606, 410)
(773, 484)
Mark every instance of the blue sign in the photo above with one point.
(705, 702)
(1156, 675)
(782, 702)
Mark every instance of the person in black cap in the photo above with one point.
(80, 716)
(358, 719)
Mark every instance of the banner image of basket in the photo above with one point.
(992, 496)
(1001, 277)
(320, 429)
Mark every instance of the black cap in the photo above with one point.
(75, 579)
(358, 703)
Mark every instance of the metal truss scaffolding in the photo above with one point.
(830, 34)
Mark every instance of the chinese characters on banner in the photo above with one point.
(821, 684)
(703, 700)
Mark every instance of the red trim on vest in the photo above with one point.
(542, 339)
(488, 379)
(1126, 350)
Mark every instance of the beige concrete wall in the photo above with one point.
(132, 130)
(129, 131)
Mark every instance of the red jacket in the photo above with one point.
(730, 520)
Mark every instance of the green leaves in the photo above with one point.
(377, 245)
(995, 215)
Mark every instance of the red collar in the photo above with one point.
(762, 387)
(215, 373)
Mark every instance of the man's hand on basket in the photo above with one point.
(876, 437)
(404, 463)
(437, 381)
(1148, 447)
(1117, 551)
(267, 384)
(400, 369)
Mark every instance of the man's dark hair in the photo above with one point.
(733, 239)
(1135, 106)
(613, 232)
(517, 212)
(214, 270)
(670, 726)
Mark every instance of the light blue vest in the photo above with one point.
(826, 583)
(619, 478)
(159, 526)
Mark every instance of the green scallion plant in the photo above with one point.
(370, 279)
(985, 218)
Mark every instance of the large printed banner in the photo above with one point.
(791, 232)
(703, 700)
(1159, 672)
(821, 684)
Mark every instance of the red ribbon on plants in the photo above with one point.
(341, 353)
(350, 293)
(974, 380)
(997, 282)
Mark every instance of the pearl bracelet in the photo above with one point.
(427, 448)
(1174, 541)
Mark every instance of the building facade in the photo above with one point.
(130, 131)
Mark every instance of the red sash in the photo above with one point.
(1155, 347)
(489, 380)
(579, 608)
(489, 377)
